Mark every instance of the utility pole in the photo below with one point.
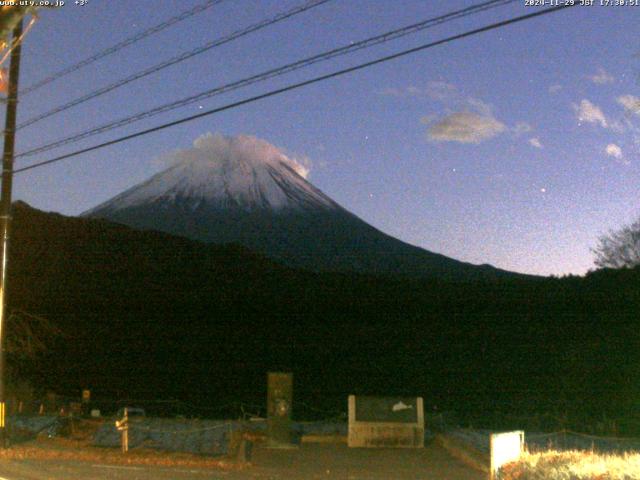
(5, 212)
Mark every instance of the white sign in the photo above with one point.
(505, 448)
(384, 422)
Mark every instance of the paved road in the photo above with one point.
(328, 462)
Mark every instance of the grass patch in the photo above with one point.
(573, 465)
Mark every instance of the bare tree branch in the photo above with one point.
(619, 248)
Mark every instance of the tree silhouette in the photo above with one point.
(619, 248)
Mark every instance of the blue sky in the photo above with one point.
(517, 147)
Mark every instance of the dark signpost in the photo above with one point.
(279, 399)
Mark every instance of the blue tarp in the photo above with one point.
(209, 437)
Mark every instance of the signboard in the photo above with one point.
(505, 448)
(386, 422)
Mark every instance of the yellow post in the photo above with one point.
(125, 431)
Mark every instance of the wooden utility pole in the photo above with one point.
(5, 212)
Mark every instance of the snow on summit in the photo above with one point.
(222, 172)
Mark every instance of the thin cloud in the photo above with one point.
(630, 103)
(535, 142)
(477, 105)
(553, 89)
(590, 113)
(465, 127)
(445, 93)
(614, 151)
(522, 127)
(441, 91)
(619, 126)
(602, 77)
(435, 90)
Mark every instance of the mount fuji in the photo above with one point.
(246, 191)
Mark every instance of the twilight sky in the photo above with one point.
(517, 147)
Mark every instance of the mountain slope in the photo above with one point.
(152, 316)
(244, 190)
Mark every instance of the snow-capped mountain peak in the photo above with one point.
(246, 191)
(240, 173)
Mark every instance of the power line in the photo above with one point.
(119, 46)
(295, 86)
(275, 72)
(175, 60)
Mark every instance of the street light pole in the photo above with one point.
(5, 212)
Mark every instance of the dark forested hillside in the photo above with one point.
(150, 315)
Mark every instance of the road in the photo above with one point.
(315, 461)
